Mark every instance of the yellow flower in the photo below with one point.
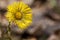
(20, 14)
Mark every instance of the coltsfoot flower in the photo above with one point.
(20, 14)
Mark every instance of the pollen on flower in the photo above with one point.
(18, 15)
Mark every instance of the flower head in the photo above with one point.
(20, 14)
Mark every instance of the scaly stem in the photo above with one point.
(9, 31)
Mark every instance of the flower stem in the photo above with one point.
(6, 34)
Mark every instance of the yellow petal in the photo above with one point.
(28, 16)
(13, 7)
(9, 16)
(22, 25)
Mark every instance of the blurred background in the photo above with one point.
(45, 24)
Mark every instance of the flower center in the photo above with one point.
(18, 15)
